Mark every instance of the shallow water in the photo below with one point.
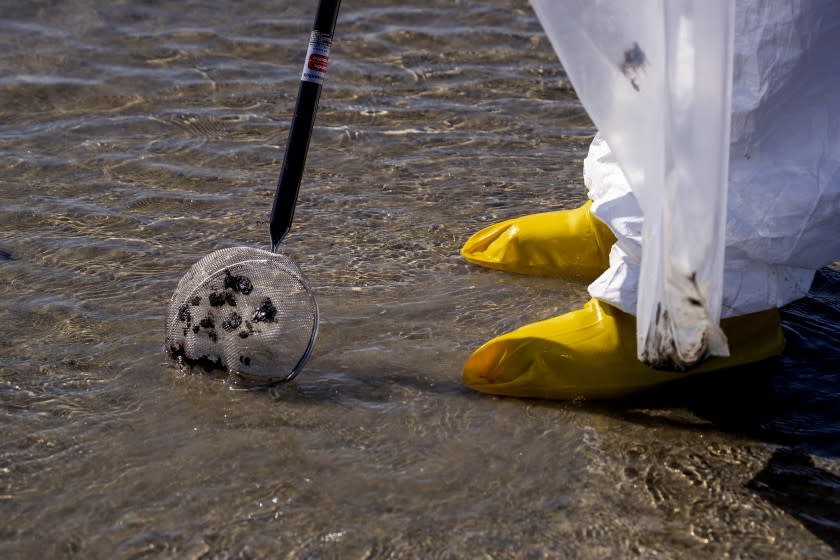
(137, 137)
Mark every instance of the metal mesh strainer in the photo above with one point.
(248, 311)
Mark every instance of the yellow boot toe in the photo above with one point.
(591, 353)
(564, 243)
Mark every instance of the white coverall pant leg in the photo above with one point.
(783, 218)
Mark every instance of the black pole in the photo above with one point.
(314, 69)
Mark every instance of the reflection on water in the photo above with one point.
(138, 137)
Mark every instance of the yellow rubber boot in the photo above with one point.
(565, 243)
(591, 353)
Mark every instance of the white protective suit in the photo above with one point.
(780, 62)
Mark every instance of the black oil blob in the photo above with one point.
(205, 362)
(245, 360)
(213, 336)
(196, 300)
(208, 322)
(241, 284)
(184, 314)
(196, 328)
(633, 64)
(243, 334)
(692, 300)
(219, 298)
(265, 312)
(232, 322)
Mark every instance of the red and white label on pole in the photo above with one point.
(317, 57)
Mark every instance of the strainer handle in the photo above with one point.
(314, 70)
